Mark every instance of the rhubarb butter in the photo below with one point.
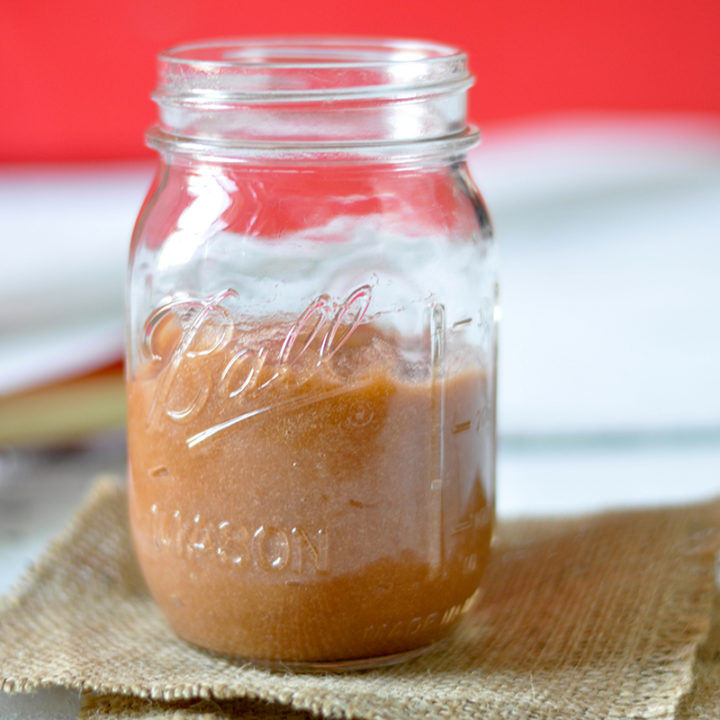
(306, 495)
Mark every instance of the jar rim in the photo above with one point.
(395, 50)
(306, 68)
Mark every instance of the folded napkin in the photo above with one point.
(597, 617)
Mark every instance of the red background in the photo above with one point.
(75, 76)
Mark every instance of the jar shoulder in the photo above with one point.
(329, 203)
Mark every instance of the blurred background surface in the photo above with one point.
(601, 167)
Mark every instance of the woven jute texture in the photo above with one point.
(597, 617)
(703, 700)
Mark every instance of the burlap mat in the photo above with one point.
(593, 618)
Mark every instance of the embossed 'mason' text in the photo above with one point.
(267, 548)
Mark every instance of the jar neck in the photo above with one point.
(330, 97)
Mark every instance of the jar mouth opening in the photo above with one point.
(267, 68)
(309, 52)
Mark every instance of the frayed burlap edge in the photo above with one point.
(125, 707)
(702, 702)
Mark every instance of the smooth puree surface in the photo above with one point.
(312, 500)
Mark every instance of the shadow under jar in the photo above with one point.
(311, 351)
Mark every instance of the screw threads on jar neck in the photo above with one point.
(311, 94)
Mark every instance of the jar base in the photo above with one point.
(331, 666)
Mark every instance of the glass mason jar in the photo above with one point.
(311, 351)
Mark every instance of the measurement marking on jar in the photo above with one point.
(460, 324)
(487, 317)
(483, 417)
(477, 521)
(470, 564)
(462, 427)
(436, 510)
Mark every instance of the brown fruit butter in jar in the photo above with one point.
(311, 360)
